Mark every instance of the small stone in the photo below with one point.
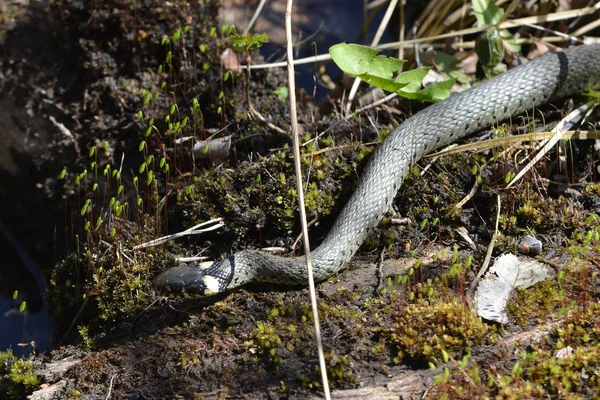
(529, 246)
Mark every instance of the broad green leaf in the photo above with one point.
(446, 65)
(365, 63)
(412, 79)
(359, 60)
(486, 12)
(437, 91)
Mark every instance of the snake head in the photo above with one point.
(192, 281)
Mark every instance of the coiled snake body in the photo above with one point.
(552, 76)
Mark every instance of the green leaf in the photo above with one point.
(437, 91)
(23, 306)
(243, 43)
(446, 65)
(282, 93)
(412, 79)
(594, 94)
(365, 63)
(486, 12)
(359, 60)
(177, 35)
(445, 356)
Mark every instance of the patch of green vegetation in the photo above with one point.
(117, 288)
(581, 327)
(428, 327)
(536, 302)
(566, 362)
(338, 369)
(171, 53)
(538, 373)
(17, 378)
(260, 197)
(530, 210)
(286, 335)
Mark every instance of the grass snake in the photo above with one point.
(552, 76)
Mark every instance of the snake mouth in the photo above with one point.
(188, 282)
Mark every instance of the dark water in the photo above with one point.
(19, 272)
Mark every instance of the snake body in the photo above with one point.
(552, 76)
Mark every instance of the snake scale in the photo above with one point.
(552, 76)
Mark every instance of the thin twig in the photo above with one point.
(488, 257)
(402, 25)
(263, 119)
(484, 145)
(110, 386)
(374, 43)
(255, 16)
(559, 132)
(296, 145)
(194, 230)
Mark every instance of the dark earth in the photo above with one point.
(95, 98)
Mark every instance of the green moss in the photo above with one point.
(426, 328)
(535, 302)
(117, 289)
(581, 327)
(537, 374)
(530, 210)
(17, 377)
(259, 200)
(266, 338)
(338, 370)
